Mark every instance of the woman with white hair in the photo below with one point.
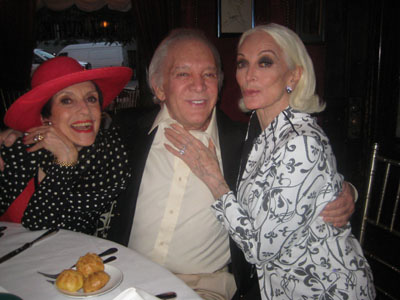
(289, 177)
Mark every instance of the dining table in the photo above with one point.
(19, 274)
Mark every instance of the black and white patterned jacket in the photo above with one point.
(289, 177)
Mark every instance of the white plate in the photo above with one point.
(116, 277)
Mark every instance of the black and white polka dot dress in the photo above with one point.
(68, 197)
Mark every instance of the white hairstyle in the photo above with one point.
(182, 34)
(303, 97)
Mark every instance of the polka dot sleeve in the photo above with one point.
(74, 197)
(18, 170)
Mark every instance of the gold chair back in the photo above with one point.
(380, 227)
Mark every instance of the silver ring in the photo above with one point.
(37, 138)
(182, 151)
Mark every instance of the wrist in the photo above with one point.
(66, 164)
(218, 189)
(67, 158)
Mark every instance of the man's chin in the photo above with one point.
(200, 124)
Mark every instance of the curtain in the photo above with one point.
(154, 19)
(16, 42)
(85, 5)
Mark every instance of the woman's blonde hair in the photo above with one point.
(303, 97)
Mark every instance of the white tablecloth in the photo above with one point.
(19, 274)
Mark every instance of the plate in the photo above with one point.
(116, 277)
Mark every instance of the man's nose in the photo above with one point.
(198, 83)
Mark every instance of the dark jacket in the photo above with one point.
(135, 125)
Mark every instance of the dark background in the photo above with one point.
(356, 57)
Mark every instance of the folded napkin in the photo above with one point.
(134, 294)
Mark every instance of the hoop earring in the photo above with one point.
(289, 90)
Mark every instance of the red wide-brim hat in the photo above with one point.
(54, 75)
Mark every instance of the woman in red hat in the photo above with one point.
(66, 170)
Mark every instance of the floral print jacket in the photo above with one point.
(290, 176)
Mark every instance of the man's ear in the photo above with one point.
(158, 90)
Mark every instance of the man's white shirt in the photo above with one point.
(173, 223)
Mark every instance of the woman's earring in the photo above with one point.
(289, 90)
(47, 123)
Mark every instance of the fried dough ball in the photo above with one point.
(95, 281)
(89, 264)
(69, 280)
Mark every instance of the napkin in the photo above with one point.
(135, 294)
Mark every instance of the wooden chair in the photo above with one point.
(380, 227)
(126, 99)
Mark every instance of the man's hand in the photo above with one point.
(339, 211)
(7, 138)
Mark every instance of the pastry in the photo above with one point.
(89, 264)
(95, 281)
(69, 280)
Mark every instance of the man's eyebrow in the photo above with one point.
(214, 68)
(181, 67)
(187, 67)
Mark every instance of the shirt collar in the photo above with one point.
(163, 117)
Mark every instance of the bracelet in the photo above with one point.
(65, 164)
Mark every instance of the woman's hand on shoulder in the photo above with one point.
(49, 138)
(200, 159)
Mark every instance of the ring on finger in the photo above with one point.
(37, 138)
(182, 151)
